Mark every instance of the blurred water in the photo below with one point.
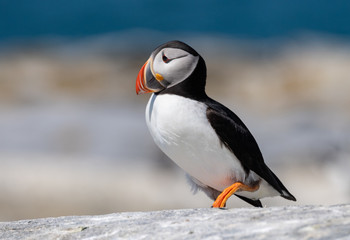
(109, 132)
(253, 19)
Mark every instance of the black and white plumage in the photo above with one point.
(202, 136)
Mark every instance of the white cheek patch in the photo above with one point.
(180, 65)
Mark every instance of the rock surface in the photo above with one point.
(291, 222)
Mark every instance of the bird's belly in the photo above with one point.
(180, 128)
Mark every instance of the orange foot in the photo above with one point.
(220, 201)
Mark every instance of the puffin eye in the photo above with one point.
(165, 59)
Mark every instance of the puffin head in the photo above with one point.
(169, 65)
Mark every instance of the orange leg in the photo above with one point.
(222, 198)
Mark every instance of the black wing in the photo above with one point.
(236, 137)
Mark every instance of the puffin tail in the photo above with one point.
(287, 195)
(283, 190)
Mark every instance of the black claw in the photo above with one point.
(222, 208)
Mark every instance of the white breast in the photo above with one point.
(180, 128)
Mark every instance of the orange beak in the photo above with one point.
(140, 81)
(146, 81)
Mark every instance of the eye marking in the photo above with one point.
(167, 60)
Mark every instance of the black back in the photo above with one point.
(236, 137)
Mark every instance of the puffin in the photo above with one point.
(202, 136)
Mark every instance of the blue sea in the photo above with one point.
(24, 19)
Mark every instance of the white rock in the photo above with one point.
(291, 222)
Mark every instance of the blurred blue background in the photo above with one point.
(253, 19)
(73, 139)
